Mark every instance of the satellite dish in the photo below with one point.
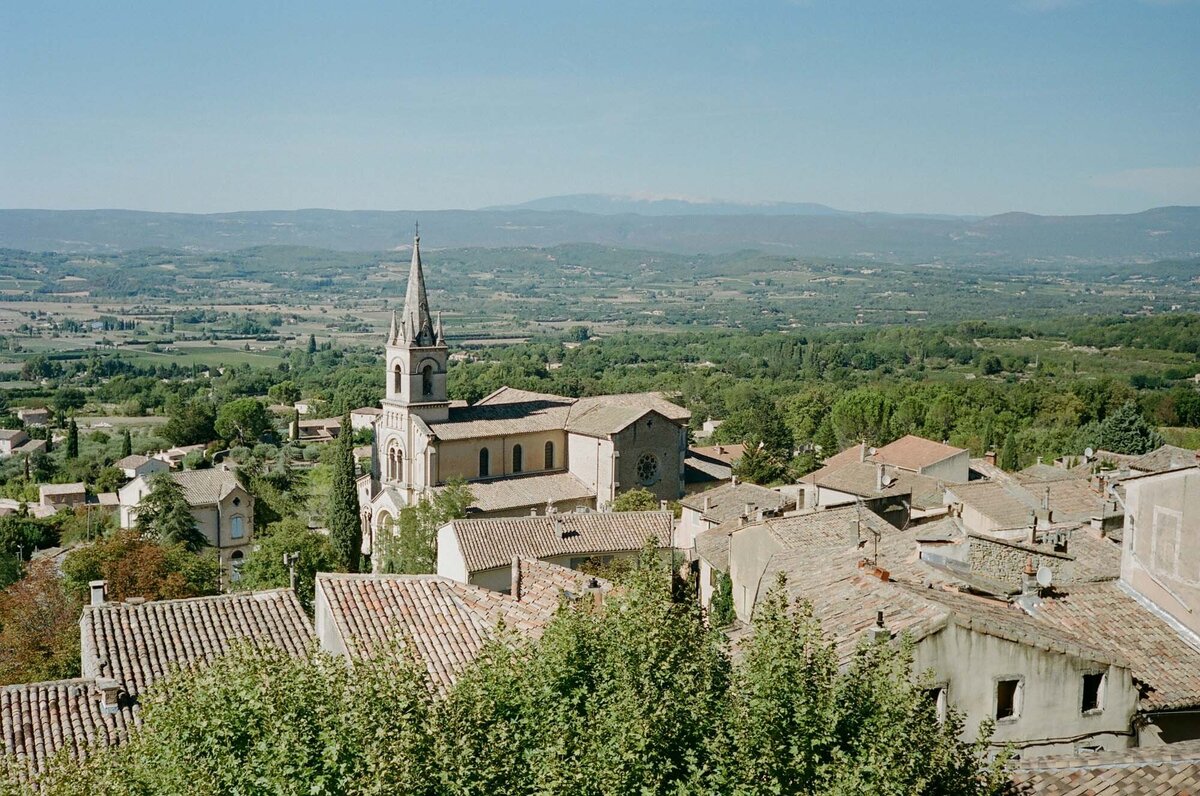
(1088, 453)
(1045, 576)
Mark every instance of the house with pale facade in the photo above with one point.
(223, 509)
(480, 551)
(519, 450)
(135, 465)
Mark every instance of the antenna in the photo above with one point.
(1045, 576)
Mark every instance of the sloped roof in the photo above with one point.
(12, 433)
(202, 487)
(515, 492)
(998, 503)
(1040, 473)
(1167, 457)
(911, 452)
(491, 543)
(1159, 657)
(832, 527)
(440, 623)
(132, 462)
(727, 454)
(699, 470)
(728, 501)
(541, 585)
(62, 489)
(138, 644)
(713, 545)
(39, 720)
(862, 479)
(1172, 768)
(512, 411)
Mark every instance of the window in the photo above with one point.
(647, 469)
(427, 381)
(237, 501)
(549, 456)
(236, 527)
(937, 696)
(1008, 699)
(1093, 693)
(399, 379)
(235, 566)
(483, 462)
(518, 459)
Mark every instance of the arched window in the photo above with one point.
(518, 459)
(235, 566)
(237, 527)
(399, 379)
(483, 462)
(427, 381)
(549, 455)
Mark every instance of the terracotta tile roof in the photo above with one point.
(490, 543)
(11, 433)
(132, 462)
(138, 644)
(541, 585)
(713, 545)
(1040, 473)
(862, 479)
(440, 623)
(998, 502)
(1168, 457)
(524, 491)
(834, 527)
(203, 487)
(41, 719)
(1159, 657)
(727, 502)
(1167, 769)
(699, 470)
(727, 454)
(911, 452)
(512, 411)
(63, 489)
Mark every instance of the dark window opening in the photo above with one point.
(399, 379)
(1008, 699)
(427, 381)
(1092, 697)
(549, 456)
(518, 459)
(483, 463)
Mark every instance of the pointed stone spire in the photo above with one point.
(416, 303)
(391, 339)
(440, 332)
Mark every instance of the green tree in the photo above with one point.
(191, 423)
(126, 444)
(759, 465)
(264, 567)
(410, 545)
(164, 515)
(345, 529)
(639, 499)
(69, 399)
(312, 344)
(295, 430)
(1010, 453)
(720, 611)
(71, 449)
(39, 629)
(1126, 431)
(242, 422)
(861, 414)
(135, 566)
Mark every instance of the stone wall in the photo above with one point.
(1004, 561)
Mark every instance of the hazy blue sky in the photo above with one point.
(1049, 106)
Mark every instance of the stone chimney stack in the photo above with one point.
(99, 590)
(706, 505)
(990, 458)
(879, 632)
(1029, 584)
(880, 480)
(862, 451)
(110, 694)
(560, 528)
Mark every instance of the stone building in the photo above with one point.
(519, 450)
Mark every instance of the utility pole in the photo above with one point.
(289, 561)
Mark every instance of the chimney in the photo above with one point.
(110, 694)
(99, 591)
(720, 449)
(533, 512)
(856, 530)
(879, 632)
(594, 591)
(705, 504)
(990, 458)
(748, 510)
(1029, 584)
(560, 528)
(733, 479)
(862, 451)
(879, 479)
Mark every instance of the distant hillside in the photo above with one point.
(1162, 233)
(610, 204)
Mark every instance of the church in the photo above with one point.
(521, 452)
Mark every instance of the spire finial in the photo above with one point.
(417, 231)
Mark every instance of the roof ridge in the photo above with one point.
(256, 594)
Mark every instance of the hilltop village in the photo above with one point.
(1056, 603)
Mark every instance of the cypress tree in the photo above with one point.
(295, 424)
(126, 444)
(72, 440)
(344, 530)
(312, 344)
(1009, 454)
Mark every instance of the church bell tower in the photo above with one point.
(417, 353)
